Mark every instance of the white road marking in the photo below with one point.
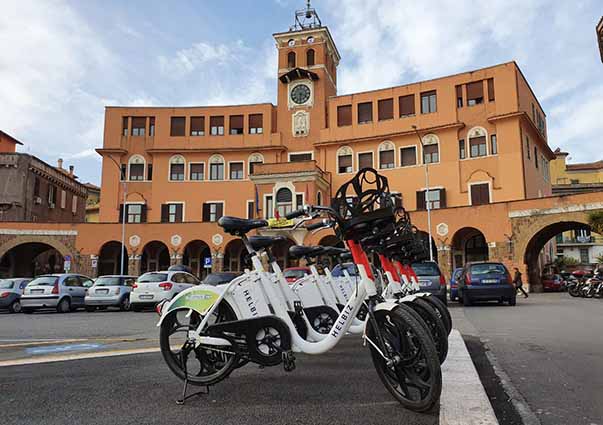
(78, 356)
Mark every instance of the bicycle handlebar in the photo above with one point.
(297, 213)
(319, 225)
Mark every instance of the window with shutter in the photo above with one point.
(256, 125)
(284, 201)
(462, 152)
(536, 156)
(344, 115)
(197, 126)
(124, 126)
(365, 112)
(421, 200)
(493, 144)
(291, 59)
(407, 105)
(459, 96)
(213, 211)
(310, 57)
(429, 102)
(138, 126)
(365, 160)
(177, 171)
(385, 109)
(480, 194)
(250, 209)
(149, 172)
(491, 89)
(269, 210)
(345, 163)
(431, 154)
(197, 172)
(236, 124)
(137, 172)
(386, 159)
(151, 126)
(300, 157)
(216, 125)
(177, 125)
(408, 156)
(236, 171)
(477, 146)
(475, 93)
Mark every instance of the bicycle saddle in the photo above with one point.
(333, 250)
(261, 242)
(300, 251)
(239, 226)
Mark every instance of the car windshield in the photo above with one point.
(108, 281)
(44, 281)
(7, 284)
(219, 278)
(153, 277)
(426, 269)
(295, 273)
(480, 269)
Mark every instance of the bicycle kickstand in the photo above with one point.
(186, 348)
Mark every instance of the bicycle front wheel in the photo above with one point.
(413, 376)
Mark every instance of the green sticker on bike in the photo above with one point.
(199, 300)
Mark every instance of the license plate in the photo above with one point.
(146, 297)
(102, 291)
(423, 283)
(37, 291)
(490, 281)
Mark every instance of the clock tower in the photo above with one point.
(307, 76)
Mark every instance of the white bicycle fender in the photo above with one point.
(198, 298)
(386, 306)
(409, 298)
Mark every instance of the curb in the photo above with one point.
(464, 400)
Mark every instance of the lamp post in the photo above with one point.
(427, 200)
(123, 218)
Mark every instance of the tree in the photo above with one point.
(563, 262)
(599, 259)
(595, 220)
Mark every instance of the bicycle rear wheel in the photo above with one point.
(434, 325)
(442, 310)
(414, 376)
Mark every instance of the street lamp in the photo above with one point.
(427, 200)
(123, 213)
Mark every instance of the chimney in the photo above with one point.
(71, 170)
(60, 163)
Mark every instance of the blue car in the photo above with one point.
(486, 281)
(454, 287)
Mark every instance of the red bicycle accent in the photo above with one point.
(388, 266)
(360, 257)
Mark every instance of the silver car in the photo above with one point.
(10, 293)
(63, 292)
(110, 291)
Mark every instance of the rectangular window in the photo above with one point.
(491, 89)
(436, 199)
(136, 172)
(36, 190)
(528, 147)
(216, 125)
(177, 172)
(365, 112)
(299, 200)
(197, 172)
(74, 205)
(533, 113)
(344, 115)
(151, 126)
(459, 96)
(256, 124)
(408, 156)
(344, 164)
(299, 157)
(236, 171)
(138, 126)
(477, 146)
(216, 171)
(177, 125)
(365, 160)
(462, 152)
(480, 194)
(407, 105)
(386, 159)
(385, 109)
(213, 211)
(63, 199)
(124, 170)
(150, 172)
(429, 102)
(584, 257)
(431, 154)
(536, 156)
(236, 124)
(124, 126)
(134, 213)
(475, 93)
(52, 196)
(269, 213)
(197, 126)
(493, 144)
(250, 209)
(171, 213)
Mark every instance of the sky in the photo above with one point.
(62, 62)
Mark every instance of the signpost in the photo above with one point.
(207, 262)
(67, 263)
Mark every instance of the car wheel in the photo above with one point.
(125, 304)
(512, 301)
(27, 310)
(90, 308)
(64, 306)
(15, 307)
(466, 299)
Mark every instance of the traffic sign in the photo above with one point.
(207, 262)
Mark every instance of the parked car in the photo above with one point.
(10, 293)
(486, 281)
(431, 279)
(219, 278)
(153, 287)
(292, 274)
(553, 283)
(63, 292)
(110, 291)
(339, 268)
(454, 287)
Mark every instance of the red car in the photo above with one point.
(294, 273)
(553, 283)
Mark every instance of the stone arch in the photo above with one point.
(468, 244)
(194, 253)
(155, 257)
(235, 256)
(36, 255)
(47, 240)
(109, 261)
(280, 250)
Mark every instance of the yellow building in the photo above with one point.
(92, 203)
(563, 173)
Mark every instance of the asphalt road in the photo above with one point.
(551, 346)
(340, 387)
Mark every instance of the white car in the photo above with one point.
(154, 287)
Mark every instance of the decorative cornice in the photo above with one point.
(557, 210)
(31, 232)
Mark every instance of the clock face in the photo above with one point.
(300, 94)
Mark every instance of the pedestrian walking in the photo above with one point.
(518, 283)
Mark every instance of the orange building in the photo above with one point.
(171, 172)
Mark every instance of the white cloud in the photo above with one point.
(199, 55)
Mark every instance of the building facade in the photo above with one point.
(600, 37)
